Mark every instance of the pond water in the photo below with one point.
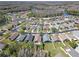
(66, 14)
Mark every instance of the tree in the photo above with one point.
(54, 30)
(73, 44)
(21, 31)
(10, 26)
(72, 12)
(3, 19)
(31, 14)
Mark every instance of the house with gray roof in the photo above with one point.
(13, 36)
(21, 37)
(46, 38)
(29, 37)
(76, 34)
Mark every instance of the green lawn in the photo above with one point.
(50, 48)
(54, 48)
(7, 41)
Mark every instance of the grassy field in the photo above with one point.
(54, 49)
(50, 48)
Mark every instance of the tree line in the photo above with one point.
(72, 12)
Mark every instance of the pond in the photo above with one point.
(66, 14)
